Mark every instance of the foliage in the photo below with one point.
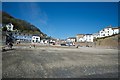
(4, 28)
(20, 25)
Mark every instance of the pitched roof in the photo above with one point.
(80, 34)
(72, 38)
(88, 34)
(116, 28)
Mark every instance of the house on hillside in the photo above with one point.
(108, 31)
(96, 35)
(84, 38)
(35, 39)
(79, 37)
(10, 27)
(22, 37)
(88, 38)
(116, 30)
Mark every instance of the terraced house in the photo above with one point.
(108, 31)
(71, 39)
(84, 38)
(23, 37)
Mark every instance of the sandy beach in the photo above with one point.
(59, 62)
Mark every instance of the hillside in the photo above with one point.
(21, 25)
(108, 42)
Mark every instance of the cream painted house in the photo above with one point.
(79, 37)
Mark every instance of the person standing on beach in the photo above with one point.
(34, 45)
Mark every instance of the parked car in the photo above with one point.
(53, 43)
(70, 44)
(63, 44)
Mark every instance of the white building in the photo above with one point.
(52, 41)
(106, 32)
(115, 30)
(35, 39)
(44, 41)
(88, 38)
(71, 39)
(79, 37)
(9, 27)
(81, 40)
(85, 38)
(96, 35)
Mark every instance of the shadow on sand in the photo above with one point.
(5, 50)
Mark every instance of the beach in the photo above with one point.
(59, 62)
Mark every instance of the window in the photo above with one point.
(36, 39)
(33, 41)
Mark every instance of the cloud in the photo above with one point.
(38, 13)
(33, 12)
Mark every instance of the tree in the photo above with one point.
(4, 28)
(20, 25)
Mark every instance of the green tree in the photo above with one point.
(4, 28)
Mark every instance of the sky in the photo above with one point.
(65, 19)
(60, 0)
